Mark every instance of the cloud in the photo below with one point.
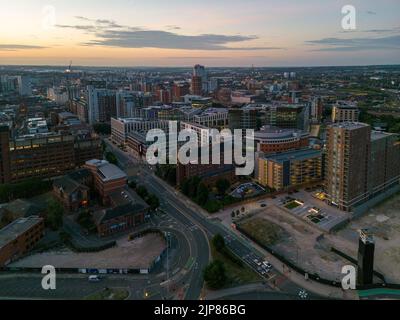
(88, 28)
(110, 34)
(388, 30)
(15, 47)
(357, 44)
(196, 58)
(103, 22)
(169, 40)
(172, 27)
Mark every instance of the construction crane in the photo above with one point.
(69, 70)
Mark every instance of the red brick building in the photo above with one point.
(19, 237)
(107, 178)
(276, 140)
(127, 211)
(72, 193)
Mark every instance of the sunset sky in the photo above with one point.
(185, 32)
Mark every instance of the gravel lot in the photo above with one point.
(139, 253)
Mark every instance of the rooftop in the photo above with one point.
(22, 208)
(349, 125)
(107, 170)
(13, 230)
(268, 132)
(377, 135)
(297, 155)
(68, 185)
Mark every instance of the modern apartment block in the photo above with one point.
(121, 127)
(360, 164)
(43, 156)
(347, 150)
(242, 118)
(288, 116)
(102, 105)
(290, 169)
(345, 112)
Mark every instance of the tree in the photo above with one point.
(171, 176)
(218, 242)
(132, 184)
(213, 206)
(215, 275)
(111, 158)
(202, 194)
(153, 201)
(55, 212)
(103, 146)
(185, 187)
(222, 185)
(102, 128)
(24, 189)
(193, 186)
(142, 192)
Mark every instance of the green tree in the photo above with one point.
(153, 201)
(222, 185)
(171, 176)
(132, 184)
(111, 158)
(142, 192)
(102, 128)
(215, 275)
(24, 189)
(55, 212)
(202, 194)
(218, 242)
(193, 186)
(185, 187)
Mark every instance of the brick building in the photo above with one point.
(107, 178)
(20, 236)
(127, 211)
(43, 156)
(273, 140)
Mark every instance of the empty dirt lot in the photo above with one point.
(137, 254)
(384, 222)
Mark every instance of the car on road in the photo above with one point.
(263, 205)
(94, 278)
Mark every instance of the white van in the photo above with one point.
(94, 279)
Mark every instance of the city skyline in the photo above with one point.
(259, 33)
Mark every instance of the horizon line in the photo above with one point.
(191, 66)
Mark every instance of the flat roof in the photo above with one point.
(349, 125)
(376, 135)
(267, 132)
(11, 231)
(302, 154)
(107, 170)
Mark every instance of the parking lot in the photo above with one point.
(247, 190)
(303, 205)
